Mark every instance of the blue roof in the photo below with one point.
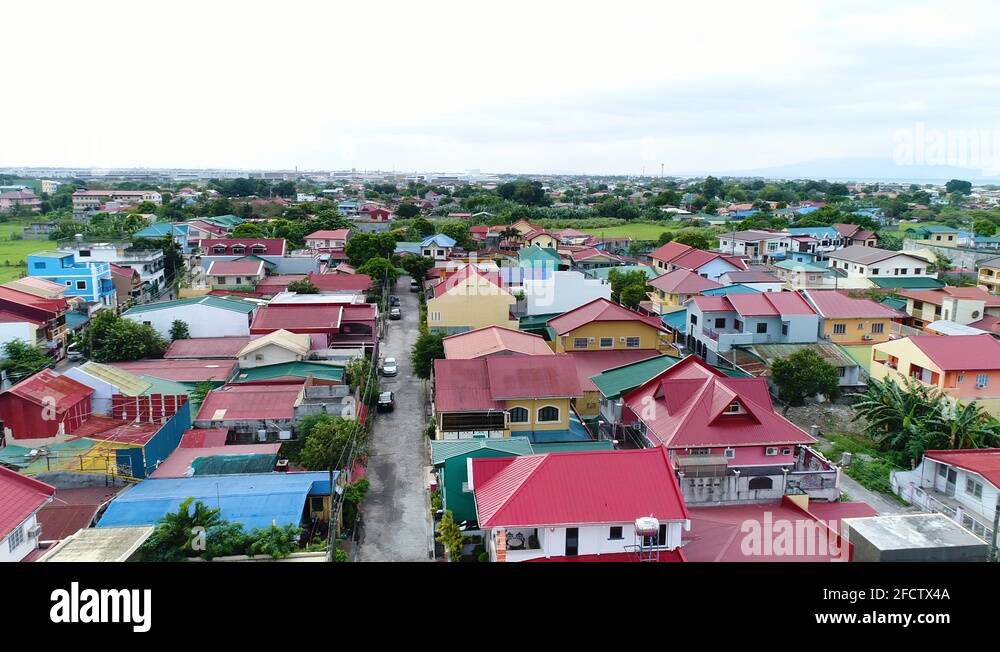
(805, 210)
(746, 213)
(256, 500)
(736, 288)
(161, 229)
(676, 319)
(407, 248)
(438, 239)
(818, 232)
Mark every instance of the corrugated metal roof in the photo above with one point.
(127, 384)
(599, 310)
(906, 283)
(181, 370)
(482, 383)
(829, 351)
(48, 388)
(494, 339)
(294, 342)
(613, 382)
(250, 402)
(207, 347)
(683, 281)
(300, 369)
(211, 301)
(960, 352)
(442, 450)
(22, 497)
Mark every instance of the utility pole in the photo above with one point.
(996, 526)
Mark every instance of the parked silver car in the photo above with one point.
(389, 367)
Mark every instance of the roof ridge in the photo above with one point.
(520, 485)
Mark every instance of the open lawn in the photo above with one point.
(637, 230)
(13, 252)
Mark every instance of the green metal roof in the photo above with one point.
(536, 322)
(937, 228)
(444, 449)
(167, 387)
(614, 382)
(212, 301)
(535, 253)
(907, 282)
(296, 369)
(572, 446)
(829, 351)
(860, 353)
(267, 263)
(895, 303)
(797, 266)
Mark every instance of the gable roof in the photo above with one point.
(22, 497)
(272, 246)
(984, 461)
(127, 384)
(576, 488)
(691, 399)
(235, 268)
(207, 347)
(694, 259)
(48, 388)
(612, 382)
(209, 301)
(341, 282)
(335, 234)
(904, 282)
(599, 310)
(250, 403)
(294, 342)
(464, 274)
(937, 296)
(669, 251)
(763, 304)
(444, 449)
(868, 255)
(181, 370)
(482, 383)
(494, 339)
(439, 239)
(836, 304)
(960, 352)
(683, 281)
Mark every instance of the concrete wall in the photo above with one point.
(23, 548)
(267, 355)
(562, 292)
(17, 331)
(592, 540)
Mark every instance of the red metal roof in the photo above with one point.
(988, 323)
(341, 282)
(713, 304)
(591, 363)
(936, 297)
(576, 488)
(689, 402)
(670, 251)
(490, 340)
(297, 318)
(180, 370)
(272, 246)
(960, 352)
(984, 461)
(72, 510)
(663, 556)
(482, 383)
(763, 304)
(22, 497)
(250, 403)
(120, 431)
(48, 386)
(336, 234)
(204, 437)
(8, 317)
(207, 347)
(54, 306)
(600, 310)
(835, 304)
(683, 281)
(697, 258)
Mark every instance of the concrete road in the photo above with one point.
(397, 509)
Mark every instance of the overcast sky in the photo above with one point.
(512, 86)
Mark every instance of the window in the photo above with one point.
(16, 538)
(548, 414)
(615, 533)
(632, 342)
(942, 470)
(839, 329)
(316, 504)
(982, 380)
(519, 415)
(874, 271)
(147, 323)
(701, 451)
(440, 252)
(580, 343)
(961, 378)
(436, 316)
(694, 319)
(878, 327)
(720, 322)
(762, 327)
(38, 265)
(973, 488)
(69, 283)
(904, 271)
(784, 329)
(918, 270)
(729, 453)
(762, 482)
(738, 325)
(786, 451)
(258, 356)
(607, 342)
(239, 250)
(84, 253)
(427, 252)
(734, 408)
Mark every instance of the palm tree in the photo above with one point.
(964, 425)
(172, 539)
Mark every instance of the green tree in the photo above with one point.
(428, 348)
(957, 185)
(803, 374)
(362, 247)
(450, 536)
(275, 542)
(664, 238)
(697, 238)
(417, 266)
(303, 286)
(354, 494)
(984, 227)
(200, 391)
(380, 269)
(324, 448)
(628, 288)
(407, 210)
(22, 360)
(179, 330)
(176, 532)
(422, 228)
(110, 338)
(459, 231)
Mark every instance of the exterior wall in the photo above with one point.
(589, 406)
(989, 278)
(283, 264)
(98, 287)
(562, 292)
(100, 401)
(931, 476)
(802, 329)
(544, 240)
(888, 267)
(235, 281)
(857, 331)
(592, 540)
(27, 545)
(26, 420)
(470, 307)
(20, 330)
(455, 471)
(712, 270)
(533, 406)
(202, 321)
(267, 355)
(649, 337)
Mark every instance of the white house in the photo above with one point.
(274, 348)
(869, 262)
(23, 497)
(561, 292)
(572, 506)
(207, 316)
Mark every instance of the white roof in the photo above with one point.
(947, 327)
(114, 544)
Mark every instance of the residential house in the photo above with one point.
(127, 282)
(91, 200)
(671, 290)
(252, 412)
(802, 275)
(852, 321)
(592, 258)
(755, 245)
(328, 239)
(107, 382)
(272, 250)
(707, 264)
(20, 199)
(493, 340)
(502, 396)
(315, 376)
(756, 280)
(469, 299)
(963, 305)
(561, 291)
(867, 263)
(235, 274)
(572, 237)
(438, 247)
(206, 316)
(44, 405)
(92, 282)
(195, 348)
(724, 437)
(757, 359)
(23, 498)
(853, 234)
(189, 372)
(178, 231)
(938, 235)
(813, 244)
(41, 318)
(276, 347)
(580, 506)
(450, 458)
(965, 368)
(535, 257)
(337, 283)
(540, 238)
(989, 275)
(718, 323)
(591, 363)
(333, 322)
(150, 263)
(603, 325)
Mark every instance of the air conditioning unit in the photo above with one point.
(866, 337)
(284, 435)
(770, 450)
(35, 531)
(262, 435)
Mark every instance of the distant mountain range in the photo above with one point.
(863, 169)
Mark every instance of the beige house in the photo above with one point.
(274, 348)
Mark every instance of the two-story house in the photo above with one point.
(671, 290)
(718, 323)
(499, 396)
(603, 325)
(965, 368)
(853, 234)
(438, 247)
(755, 245)
(726, 440)
(92, 282)
(962, 305)
(989, 274)
(235, 274)
(867, 263)
(579, 506)
(23, 498)
(852, 321)
(707, 264)
(468, 299)
(37, 320)
(935, 234)
(328, 239)
(812, 244)
(150, 263)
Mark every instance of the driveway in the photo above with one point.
(397, 509)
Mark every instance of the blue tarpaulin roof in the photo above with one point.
(255, 500)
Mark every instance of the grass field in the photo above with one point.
(13, 252)
(637, 231)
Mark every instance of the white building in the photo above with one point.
(562, 292)
(870, 262)
(207, 316)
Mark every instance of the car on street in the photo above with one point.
(395, 313)
(73, 353)
(394, 300)
(389, 367)
(414, 286)
(386, 402)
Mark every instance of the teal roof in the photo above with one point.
(936, 228)
(676, 320)
(224, 220)
(536, 321)
(267, 263)
(534, 253)
(167, 387)
(796, 266)
(212, 301)
(291, 369)
(907, 282)
(602, 272)
(231, 464)
(895, 303)
(442, 450)
(736, 288)
(573, 446)
(161, 229)
(614, 382)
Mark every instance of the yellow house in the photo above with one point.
(500, 396)
(964, 367)
(989, 275)
(541, 238)
(672, 289)
(604, 325)
(470, 299)
(845, 320)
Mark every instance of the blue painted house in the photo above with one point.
(90, 281)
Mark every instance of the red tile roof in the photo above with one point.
(336, 234)
(204, 437)
(683, 281)
(272, 246)
(984, 461)
(235, 268)
(690, 400)
(49, 388)
(207, 347)
(576, 488)
(180, 370)
(960, 352)
(297, 318)
(250, 403)
(482, 383)
(22, 497)
(600, 310)
(341, 282)
(835, 304)
(670, 251)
